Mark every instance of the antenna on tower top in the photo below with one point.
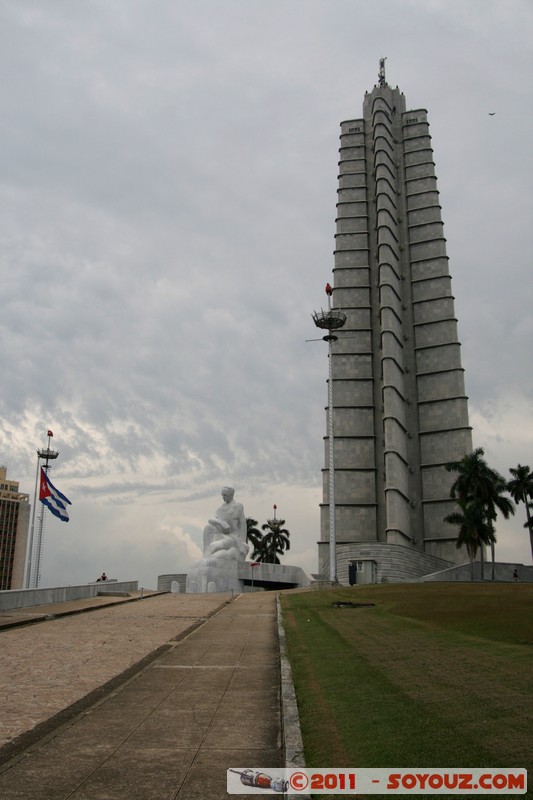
(381, 73)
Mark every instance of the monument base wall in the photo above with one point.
(213, 577)
(394, 563)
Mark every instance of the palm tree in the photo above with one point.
(474, 529)
(521, 490)
(275, 540)
(255, 537)
(496, 502)
(478, 483)
(474, 476)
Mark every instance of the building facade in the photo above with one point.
(400, 412)
(14, 526)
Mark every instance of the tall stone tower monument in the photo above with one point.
(399, 406)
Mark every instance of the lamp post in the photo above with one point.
(273, 522)
(330, 320)
(252, 565)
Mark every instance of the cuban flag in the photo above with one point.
(52, 499)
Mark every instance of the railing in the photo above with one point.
(25, 598)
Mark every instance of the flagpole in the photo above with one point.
(38, 550)
(47, 454)
(29, 550)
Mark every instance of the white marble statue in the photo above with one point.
(225, 546)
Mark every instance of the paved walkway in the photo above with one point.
(48, 665)
(170, 730)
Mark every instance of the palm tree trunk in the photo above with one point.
(529, 523)
(482, 562)
(493, 558)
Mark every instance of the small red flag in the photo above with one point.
(329, 289)
(50, 433)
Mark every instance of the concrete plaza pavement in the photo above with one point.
(170, 728)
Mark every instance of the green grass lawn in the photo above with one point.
(431, 675)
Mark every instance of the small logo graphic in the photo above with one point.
(259, 780)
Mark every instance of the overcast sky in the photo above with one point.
(168, 190)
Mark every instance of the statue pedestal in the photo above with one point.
(211, 575)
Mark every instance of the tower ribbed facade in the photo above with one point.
(400, 412)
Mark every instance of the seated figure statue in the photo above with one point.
(225, 546)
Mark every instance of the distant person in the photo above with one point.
(103, 577)
(516, 576)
